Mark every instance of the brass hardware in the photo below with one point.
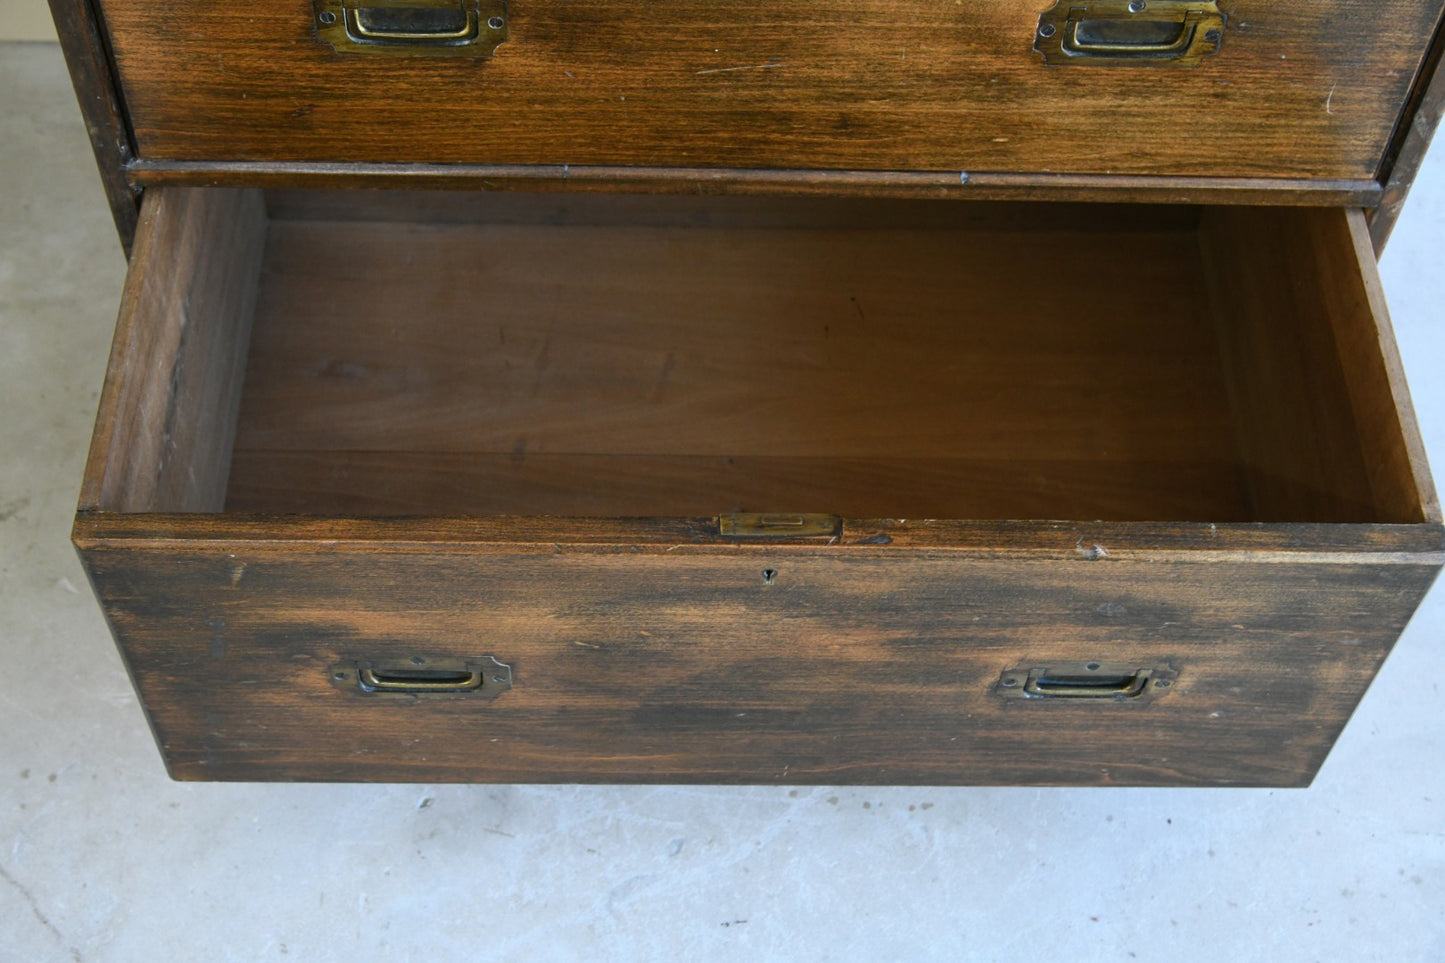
(434, 28)
(778, 525)
(483, 677)
(1140, 33)
(1113, 681)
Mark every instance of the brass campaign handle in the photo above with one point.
(1159, 33)
(1116, 682)
(481, 677)
(468, 28)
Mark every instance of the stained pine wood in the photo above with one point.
(380, 483)
(83, 41)
(656, 354)
(771, 182)
(168, 411)
(654, 650)
(858, 664)
(1300, 90)
(1301, 318)
(1411, 141)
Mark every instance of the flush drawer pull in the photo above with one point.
(472, 28)
(1160, 33)
(418, 680)
(483, 677)
(1086, 680)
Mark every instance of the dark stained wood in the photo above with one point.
(83, 42)
(717, 211)
(657, 353)
(168, 410)
(652, 649)
(1036, 541)
(1370, 358)
(381, 483)
(702, 181)
(1300, 90)
(674, 667)
(1324, 427)
(1412, 139)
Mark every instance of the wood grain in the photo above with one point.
(168, 409)
(83, 42)
(705, 181)
(669, 667)
(937, 356)
(812, 363)
(1411, 141)
(1300, 90)
(1320, 430)
(383, 483)
(1375, 377)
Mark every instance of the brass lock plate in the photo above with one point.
(778, 525)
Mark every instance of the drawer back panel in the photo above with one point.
(1297, 89)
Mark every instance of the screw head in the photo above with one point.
(1047, 30)
(495, 23)
(1137, 6)
(327, 17)
(1010, 682)
(1212, 36)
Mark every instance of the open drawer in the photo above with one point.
(509, 487)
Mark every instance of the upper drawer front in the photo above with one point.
(1298, 89)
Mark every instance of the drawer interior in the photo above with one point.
(381, 354)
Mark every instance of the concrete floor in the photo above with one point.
(103, 858)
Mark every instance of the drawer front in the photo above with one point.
(660, 666)
(1296, 90)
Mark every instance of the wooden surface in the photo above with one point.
(1412, 140)
(905, 358)
(168, 410)
(1323, 430)
(1009, 371)
(1300, 90)
(1375, 378)
(858, 664)
(705, 181)
(83, 42)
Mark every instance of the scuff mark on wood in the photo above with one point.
(728, 70)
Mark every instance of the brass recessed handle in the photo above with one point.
(1053, 684)
(419, 680)
(471, 28)
(482, 677)
(1159, 33)
(1086, 680)
(449, 23)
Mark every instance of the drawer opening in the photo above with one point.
(385, 354)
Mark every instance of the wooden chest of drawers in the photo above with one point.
(866, 392)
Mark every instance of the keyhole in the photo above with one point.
(770, 575)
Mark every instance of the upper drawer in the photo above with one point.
(1297, 89)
